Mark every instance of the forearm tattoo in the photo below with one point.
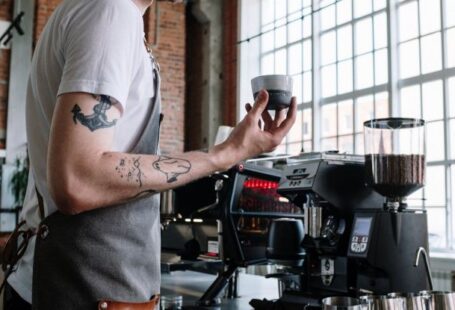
(172, 167)
(130, 169)
(98, 119)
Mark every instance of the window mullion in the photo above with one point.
(392, 38)
(316, 123)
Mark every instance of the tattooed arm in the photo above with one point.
(84, 174)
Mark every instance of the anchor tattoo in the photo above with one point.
(96, 120)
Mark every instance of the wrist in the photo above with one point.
(223, 156)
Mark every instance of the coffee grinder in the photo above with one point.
(385, 243)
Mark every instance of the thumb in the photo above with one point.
(261, 103)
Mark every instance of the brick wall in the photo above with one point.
(44, 9)
(6, 10)
(170, 53)
(230, 22)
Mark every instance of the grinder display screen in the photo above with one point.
(362, 226)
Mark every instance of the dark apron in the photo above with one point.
(110, 253)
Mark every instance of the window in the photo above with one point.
(339, 54)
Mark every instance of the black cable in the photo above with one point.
(247, 40)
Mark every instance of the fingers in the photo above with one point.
(268, 121)
(261, 103)
(280, 115)
(286, 125)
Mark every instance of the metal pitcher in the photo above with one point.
(435, 300)
(380, 302)
(413, 301)
(341, 303)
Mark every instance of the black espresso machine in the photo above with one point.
(358, 235)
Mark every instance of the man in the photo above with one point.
(93, 114)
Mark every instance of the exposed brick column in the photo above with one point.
(6, 10)
(230, 28)
(170, 53)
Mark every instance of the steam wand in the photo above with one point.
(421, 250)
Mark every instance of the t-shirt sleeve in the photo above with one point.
(99, 50)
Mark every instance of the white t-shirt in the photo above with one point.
(92, 46)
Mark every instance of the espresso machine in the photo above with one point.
(360, 235)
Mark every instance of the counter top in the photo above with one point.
(191, 285)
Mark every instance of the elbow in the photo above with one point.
(70, 199)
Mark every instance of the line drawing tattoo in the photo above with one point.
(96, 120)
(130, 169)
(172, 167)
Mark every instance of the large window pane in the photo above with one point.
(452, 146)
(267, 39)
(450, 13)
(451, 89)
(362, 7)
(363, 71)
(382, 105)
(364, 111)
(307, 26)
(381, 67)
(437, 227)
(307, 124)
(430, 16)
(280, 9)
(431, 53)
(268, 64)
(328, 17)
(329, 144)
(363, 36)
(294, 148)
(345, 76)
(329, 120)
(435, 186)
(344, 42)
(344, 11)
(359, 144)
(280, 62)
(307, 146)
(379, 4)
(346, 144)
(345, 118)
(435, 141)
(380, 30)
(432, 100)
(307, 55)
(307, 87)
(410, 102)
(297, 89)
(451, 47)
(267, 11)
(295, 30)
(295, 59)
(294, 5)
(280, 36)
(407, 21)
(409, 59)
(328, 81)
(296, 133)
(328, 48)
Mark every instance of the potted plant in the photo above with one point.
(19, 181)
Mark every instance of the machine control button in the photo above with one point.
(364, 239)
(363, 247)
(355, 239)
